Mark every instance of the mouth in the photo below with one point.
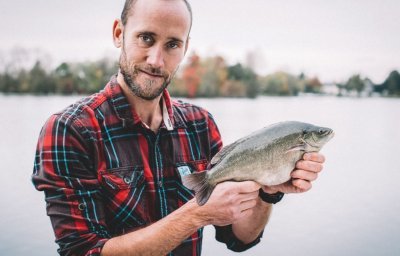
(151, 74)
(330, 133)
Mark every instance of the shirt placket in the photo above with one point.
(157, 170)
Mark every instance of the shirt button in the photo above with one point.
(127, 180)
(81, 206)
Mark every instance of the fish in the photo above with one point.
(266, 156)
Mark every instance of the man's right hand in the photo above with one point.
(230, 202)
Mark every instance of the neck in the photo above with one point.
(149, 111)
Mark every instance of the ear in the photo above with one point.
(118, 32)
(187, 45)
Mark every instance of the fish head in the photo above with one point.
(316, 137)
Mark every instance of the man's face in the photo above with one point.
(154, 43)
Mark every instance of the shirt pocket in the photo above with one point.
(125, 197)
(183, 168)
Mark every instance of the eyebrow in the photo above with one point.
(175, 39)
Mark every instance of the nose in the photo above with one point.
(155, 57)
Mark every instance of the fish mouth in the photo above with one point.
(322, 135)
(325, 132)
(330, 134)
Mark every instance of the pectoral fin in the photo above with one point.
(299, 147)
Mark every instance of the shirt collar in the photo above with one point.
(128, 115)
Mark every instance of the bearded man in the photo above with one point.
(110, 165)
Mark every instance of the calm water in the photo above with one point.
(353, 208)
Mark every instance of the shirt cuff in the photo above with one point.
(225, 235)
(96, 250)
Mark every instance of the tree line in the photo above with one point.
(199, 77)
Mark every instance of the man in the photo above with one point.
(111, 164)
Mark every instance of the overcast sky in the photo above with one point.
(329, 39)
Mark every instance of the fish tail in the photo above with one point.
(198, 182)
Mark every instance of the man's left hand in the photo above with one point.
(305, 172)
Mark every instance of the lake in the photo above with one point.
(352, 209)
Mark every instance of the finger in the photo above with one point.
(247, 186)
(248, 196)
(248, 205)
(309, 166)
(301, 185)
(304, 175)
(269, 189)
(314, 156)
(244, 214)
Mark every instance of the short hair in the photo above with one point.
(130, 3)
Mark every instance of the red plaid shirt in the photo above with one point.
(104, 173)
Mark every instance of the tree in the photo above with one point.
(214, 76)
(39, 81)
(355, 83)
(8, 83)
(392, 83)
(281, 84)
(65, 79)
(313, 85)
(247, 77)
(191, 77)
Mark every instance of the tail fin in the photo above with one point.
(198, 182)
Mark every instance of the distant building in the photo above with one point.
(368, 88)
(330, 89)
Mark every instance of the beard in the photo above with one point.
(145, 88)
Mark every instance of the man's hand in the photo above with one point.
(305, 172)
(229, 202)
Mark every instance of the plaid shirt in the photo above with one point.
(104, 173)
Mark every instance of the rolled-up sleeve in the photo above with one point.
(64, 170)
(214, 136)
(225, 235)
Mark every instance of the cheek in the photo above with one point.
(173, 62)
(133, 53)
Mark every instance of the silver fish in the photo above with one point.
(267, 156)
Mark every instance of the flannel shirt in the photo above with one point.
(104, 173)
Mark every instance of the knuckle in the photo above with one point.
(236, 215)
(296, 182)
(231, 199)
(296, 173)
(230, 213)
(249, 212)
(299, 164)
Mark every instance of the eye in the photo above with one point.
(173, 45)
(147, 39)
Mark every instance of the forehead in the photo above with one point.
(160, 17)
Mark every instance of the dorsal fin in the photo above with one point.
(223, 152)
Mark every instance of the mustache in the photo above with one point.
(150, 70)
(136, 68)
